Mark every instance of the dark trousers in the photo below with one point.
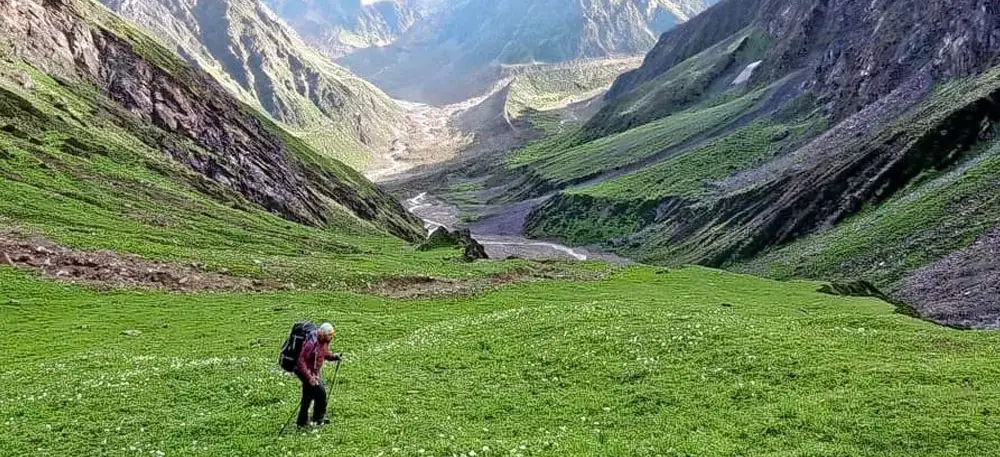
(311, 395)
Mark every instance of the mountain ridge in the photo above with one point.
(342, 27)
(457, 49)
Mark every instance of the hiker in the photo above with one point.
(315, 351)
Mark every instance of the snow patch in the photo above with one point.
(747, 72)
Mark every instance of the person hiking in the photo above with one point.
(308, 369)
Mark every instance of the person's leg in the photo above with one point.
(319, 408)
(307, 398)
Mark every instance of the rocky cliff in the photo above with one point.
(852, 51)
(251, 52)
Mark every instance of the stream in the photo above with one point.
(437, 213)
(430, 138)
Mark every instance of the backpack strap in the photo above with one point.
(314, 336)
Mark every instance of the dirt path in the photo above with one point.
(107, 270)
(427, 287)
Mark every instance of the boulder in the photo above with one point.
(473, 249)
(441, 238)
(27, 82)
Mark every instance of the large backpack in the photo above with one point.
(289, 357)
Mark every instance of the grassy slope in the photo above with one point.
(548, 87)
(694, 100)
(695, 80)
(337, 144)
(565, 159)
(884, 243)
(623, 206)
(690, 174)
(639, 364)
(690, 100)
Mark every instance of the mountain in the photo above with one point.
(452, 51)
(341, 27)
(832, 140)
(104, 130)
(250, 51)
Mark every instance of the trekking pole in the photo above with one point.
(289, 421)
(333, 383)
(294, 411)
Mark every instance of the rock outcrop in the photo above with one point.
(442, 238)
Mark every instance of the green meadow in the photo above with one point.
(644, 362)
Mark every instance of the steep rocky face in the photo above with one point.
(688, 39)
(189, 116)
(260, 59)
(453, 50)
(853, 51)
(858, 51)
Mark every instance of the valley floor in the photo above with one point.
(644, 362)
(433, 140)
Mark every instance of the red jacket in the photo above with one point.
(312, 357)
